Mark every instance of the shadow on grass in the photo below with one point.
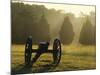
(22, 69)
(45, 68)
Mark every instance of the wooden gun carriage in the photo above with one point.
(42, 48)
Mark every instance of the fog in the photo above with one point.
(54, 16)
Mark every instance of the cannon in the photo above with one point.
(42, 48)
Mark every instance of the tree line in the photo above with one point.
(35, 20)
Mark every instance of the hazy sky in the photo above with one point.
(76, 9)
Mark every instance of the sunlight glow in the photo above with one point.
(66, 8)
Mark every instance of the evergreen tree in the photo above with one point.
(87, 34)
(26, 21)
(94, 35)
(66, 32)
(41, 31)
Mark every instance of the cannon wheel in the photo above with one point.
(28, 51)
(56, 51)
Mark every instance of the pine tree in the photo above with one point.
(66, 32)
(87, 33)
(41, 32)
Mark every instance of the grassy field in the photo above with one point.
(74, 57)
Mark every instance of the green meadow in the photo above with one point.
(74, 57)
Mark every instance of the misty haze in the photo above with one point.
(73, 25)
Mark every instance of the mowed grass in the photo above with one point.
(74, 57)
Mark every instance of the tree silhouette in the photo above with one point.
(41, 31)
(66, 32)
(26, 21)
(87, 34)
(94, 35)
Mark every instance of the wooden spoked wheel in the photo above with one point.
(28, 51)
(56, 51)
